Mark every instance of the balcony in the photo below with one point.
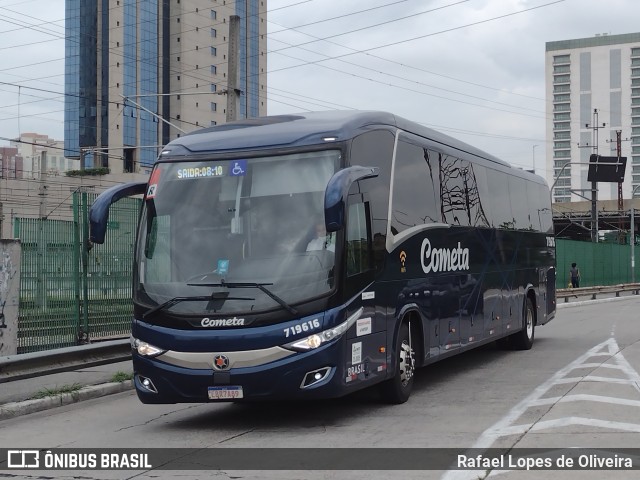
(561, 79)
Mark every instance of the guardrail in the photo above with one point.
(29, 365)
(568, 293)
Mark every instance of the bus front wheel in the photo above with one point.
(523, 340)
(397, 390)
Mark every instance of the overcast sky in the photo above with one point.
(473, 69)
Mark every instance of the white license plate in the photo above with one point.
(225, 393)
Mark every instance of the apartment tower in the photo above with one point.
(592, 82)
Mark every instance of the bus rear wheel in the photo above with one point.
(397, 390)
(523, 340)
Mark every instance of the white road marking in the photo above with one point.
(586, 398)
(507, 425)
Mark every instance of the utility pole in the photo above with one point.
(43, 185)
(620, 202)
(233, 92)
(594, 185)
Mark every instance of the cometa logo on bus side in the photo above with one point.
(443, 259)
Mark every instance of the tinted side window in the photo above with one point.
(415, 187)
(546, 215)
(375, 149)
(462, 189)
(358, 239)
(501, 216)
(520, 207)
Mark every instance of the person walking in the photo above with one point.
(574, 272)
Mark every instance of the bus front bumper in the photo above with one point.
(307, 375)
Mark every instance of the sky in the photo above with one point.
(472, 69)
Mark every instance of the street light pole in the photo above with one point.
(534, 158)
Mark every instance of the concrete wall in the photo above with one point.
(9, 295)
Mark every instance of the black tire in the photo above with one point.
(523, 340)
(397, 390)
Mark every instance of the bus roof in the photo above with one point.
(309, 128)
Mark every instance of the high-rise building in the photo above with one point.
(138, 73)
(592, 82)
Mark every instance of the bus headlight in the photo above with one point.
(315, 340)
(145, 349)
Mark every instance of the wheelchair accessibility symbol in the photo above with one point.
(238, 168)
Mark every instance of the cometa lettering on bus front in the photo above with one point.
(222, 322)
(443, 259)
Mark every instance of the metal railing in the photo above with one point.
(593, 292)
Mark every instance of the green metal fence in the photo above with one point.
(69, 294)
(599, 263)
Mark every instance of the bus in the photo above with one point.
(428, 247)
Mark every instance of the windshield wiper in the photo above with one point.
(259, 286)
(195, 298)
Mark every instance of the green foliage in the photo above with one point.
(87, 172)
(52, 392)
(120, 377)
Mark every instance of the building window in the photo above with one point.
(214, 51)
(214, 69)
(214, 15)
(214, 33)
(214, 87)
(214, 107)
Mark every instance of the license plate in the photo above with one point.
(225, 393)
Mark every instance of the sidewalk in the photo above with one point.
(17, 397)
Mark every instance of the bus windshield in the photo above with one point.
(236, 236)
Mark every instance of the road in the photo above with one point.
(578, 387)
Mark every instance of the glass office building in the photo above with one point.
(139, 73)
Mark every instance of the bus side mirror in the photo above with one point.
(99, 211)
(335, 195)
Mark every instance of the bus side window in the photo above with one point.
(358, 239)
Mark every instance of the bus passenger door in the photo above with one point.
(366, 358)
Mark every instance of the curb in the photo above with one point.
(16, 409)
(580, 303)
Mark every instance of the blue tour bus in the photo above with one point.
(313, 255)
